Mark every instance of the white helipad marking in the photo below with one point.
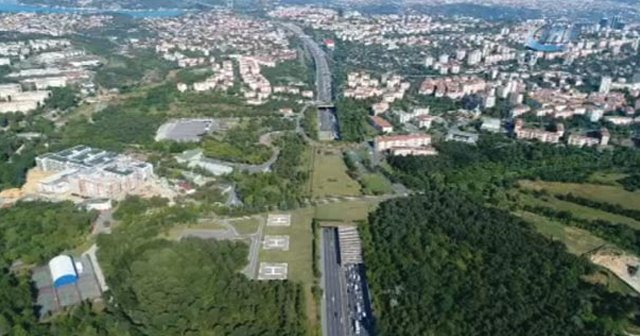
(273, 271)
(279, 220)
(276, 243)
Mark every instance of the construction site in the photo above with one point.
(81, 173)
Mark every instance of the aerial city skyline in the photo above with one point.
(334, 168)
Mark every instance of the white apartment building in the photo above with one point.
(383, 143)
(93, 173)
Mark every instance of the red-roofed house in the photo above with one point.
(380, 124)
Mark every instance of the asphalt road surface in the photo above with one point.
(333, 287)
(323, 74)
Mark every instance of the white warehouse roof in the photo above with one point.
(62, 266)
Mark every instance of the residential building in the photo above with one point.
(460, 136)
(605, 84)
(380, 124)
(383, 143)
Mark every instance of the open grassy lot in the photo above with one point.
(600, 193)
(579, 210)
(245, 226)
(329, 176)
(577, 241)
(175, 232)
(376, 184)
(606, 178)
(299, 256)
(346, 211)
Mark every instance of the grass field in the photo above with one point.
(376, 184)
(329, 176)
(346, 211)
(579, 210)
(175, 232)
(576, 240)
(606, 178)
(600, 193)
(245, 226)
(299, 256)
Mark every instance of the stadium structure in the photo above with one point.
(554, 37)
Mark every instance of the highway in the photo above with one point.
(333, 285)
(323, 74)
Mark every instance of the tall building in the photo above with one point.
(604, 23)
(605, 84)
(474, 57)
(616, 23)
(428, 61)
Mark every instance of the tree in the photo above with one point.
(443, 264)
(36, 231)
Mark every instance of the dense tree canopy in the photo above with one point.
(497, 162)
(352, 119)
(37, 231)
(114, 128)
(14, 165)
(62, 98)
(441, 264)
(194, 288)
(284, 186)
(17, 314)
(191, 287)
(631, 182)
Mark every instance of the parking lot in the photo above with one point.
(185, 130)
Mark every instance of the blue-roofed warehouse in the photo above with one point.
(63, 271)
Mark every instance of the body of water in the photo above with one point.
(14, 7)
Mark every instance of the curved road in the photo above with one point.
(265, 139)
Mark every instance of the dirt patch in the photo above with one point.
(34, 176)
(624, 266)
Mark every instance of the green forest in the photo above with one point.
(284, 186)
(191, 287)
(194, 287)
(13, 166)
(433, 271)
(157, 287)
(352, 119)
(131, 122)
(35, 231)
(498, 162)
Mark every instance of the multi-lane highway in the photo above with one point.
(323, 73)
(335, 319)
